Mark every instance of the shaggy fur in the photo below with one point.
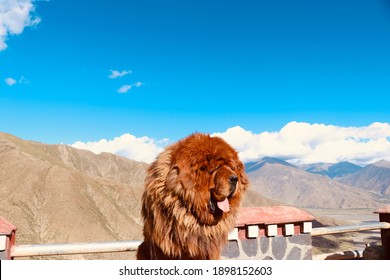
(192, 195)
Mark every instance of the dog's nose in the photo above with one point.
(233, 179)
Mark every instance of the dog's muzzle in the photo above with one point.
(233, 180)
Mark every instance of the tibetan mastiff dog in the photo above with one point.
(191, 199)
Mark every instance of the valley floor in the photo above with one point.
(347, 241)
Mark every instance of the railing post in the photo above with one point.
(384, 216)
(7, 239)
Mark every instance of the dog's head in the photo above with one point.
(208, 177)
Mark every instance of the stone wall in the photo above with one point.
(296, 247)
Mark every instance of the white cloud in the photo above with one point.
(117, 74)
(143, 149)
(10, 81)
(126, 88)
(310, 143)
(296, 142)
(15, 15)
(23, 81)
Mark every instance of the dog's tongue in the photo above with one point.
(224, 205)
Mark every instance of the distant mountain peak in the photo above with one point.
(272, 160)
(252, 166)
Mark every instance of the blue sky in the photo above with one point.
(192, 66)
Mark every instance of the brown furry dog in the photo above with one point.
(192, 194)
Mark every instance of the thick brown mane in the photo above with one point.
(192, 194)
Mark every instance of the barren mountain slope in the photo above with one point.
(58, 194)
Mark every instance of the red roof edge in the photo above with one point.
(272, 215)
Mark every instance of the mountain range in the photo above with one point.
(374, 177)
(289, 184)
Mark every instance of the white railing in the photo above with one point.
(75, 248)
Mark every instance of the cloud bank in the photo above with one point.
(143, 149)
(15, 15)
(299, 142)
(296, 142)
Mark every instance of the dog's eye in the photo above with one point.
(214, 169)
(203, 168)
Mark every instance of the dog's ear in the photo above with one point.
(183, 176)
